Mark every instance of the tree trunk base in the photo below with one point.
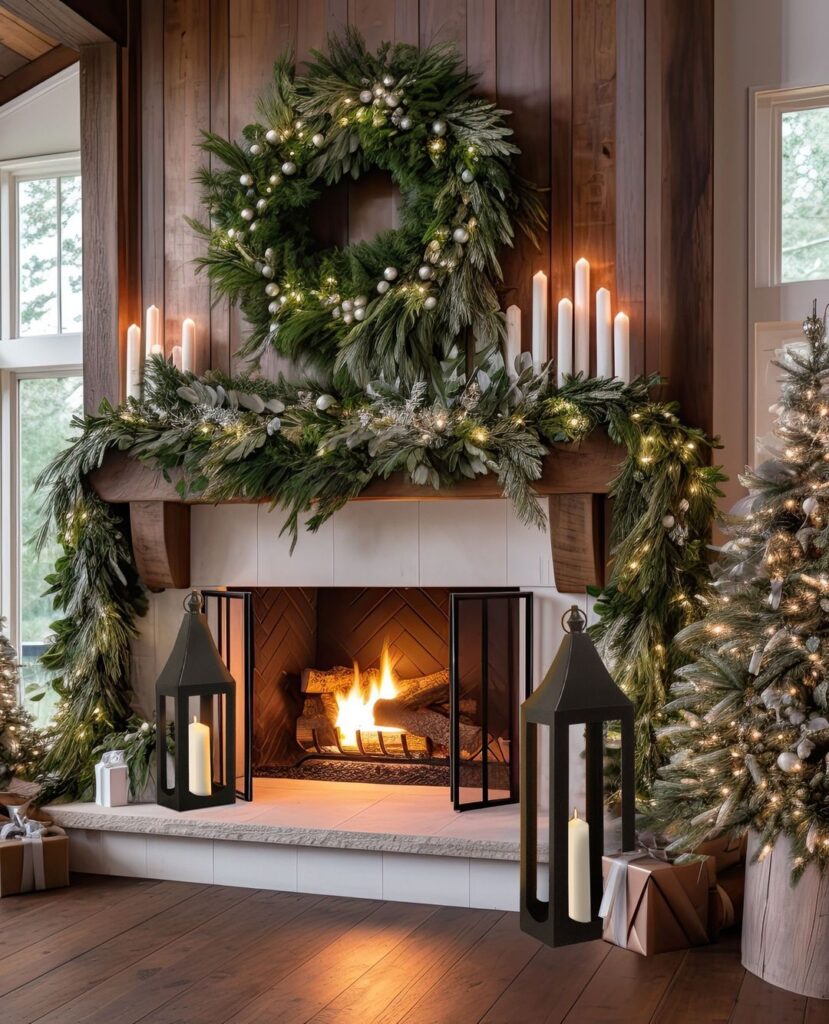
(785, 928)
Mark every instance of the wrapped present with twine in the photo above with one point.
(34, 856)
(652, 905)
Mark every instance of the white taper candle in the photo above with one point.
(578, 869)
(133, 381)
(188, 345)
(581, 317)
(513, 343)
(152, 325)
(604, 335)
(176, 355)
(564, 349)
(621, 346)
(540, 346)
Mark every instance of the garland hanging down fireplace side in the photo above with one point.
(391, 685)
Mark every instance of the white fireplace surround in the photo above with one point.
(405, 843)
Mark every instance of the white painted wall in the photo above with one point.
(43, 121)
(767, 44)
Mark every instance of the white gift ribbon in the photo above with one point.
(614, 903)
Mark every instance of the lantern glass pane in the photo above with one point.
(169, 704)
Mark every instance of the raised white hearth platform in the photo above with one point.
(400, 843)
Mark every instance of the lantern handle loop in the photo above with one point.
(574, 621)
(193, 603)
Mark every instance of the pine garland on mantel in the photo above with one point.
(310, 450)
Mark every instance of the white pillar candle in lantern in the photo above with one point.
(513, 344)
(133, 381)
(564, 350)
(199, 768)
(188, 345)
(604, 335)
(621, 346)
(581, 317)
(578, 868)
(153, 329)
(540, 352)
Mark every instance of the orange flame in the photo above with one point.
(355, 709)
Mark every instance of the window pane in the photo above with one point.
(70, 254)
(37, 213)
(46, 407)
(805, 195)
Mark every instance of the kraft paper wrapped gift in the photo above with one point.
(651, 906)
(33, 856)
(726, 850)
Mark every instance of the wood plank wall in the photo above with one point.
(612, 107)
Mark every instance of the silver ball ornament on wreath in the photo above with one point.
(378, 91)
(383, 287)
(231, 232)
(392, 99)
(668, 522)
(360, 300)
(366, 96)
(348, 318)
(325, 402)
(405, 123)
(425, 272)
(318, 140)
(390, 273)
(360, 313)
(805, 748)
(289, 168)
(388, 81)
(274, 179)
(467, 176)
(348, 305)
(272, 137)
(246, 179)
(269, 254)
(256, 149)
(460, 235)
(336, 312)
(430, 302)
(810, 505)
(247, 213)
(254, 224)
(261, 204)
(272, 288)
(439, 128)
(273, 307)
(789, 762)
(267, 271)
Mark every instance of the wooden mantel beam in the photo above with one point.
(575, 481)
(74, 23)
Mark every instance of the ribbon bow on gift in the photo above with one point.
(30, 833)
(113, 758)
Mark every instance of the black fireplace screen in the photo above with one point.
(490, 673)
(231, 623)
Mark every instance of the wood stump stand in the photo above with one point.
(786, 928)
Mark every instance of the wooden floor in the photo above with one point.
(122, 950)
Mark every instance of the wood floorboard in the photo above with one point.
(127, 951)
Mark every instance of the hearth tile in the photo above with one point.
(312, 563)
(255, 865)
(123, 853)
(416, 879)
(340, 872)
(376, 544)
(529, 555)
(223, 545)
(404, 815)
(463, 543)
(180, 859)
(494, 884)
(84, 850)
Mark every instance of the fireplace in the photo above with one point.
(416, 686)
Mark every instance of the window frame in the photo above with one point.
(22, 358)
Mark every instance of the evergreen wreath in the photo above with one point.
(392, 306)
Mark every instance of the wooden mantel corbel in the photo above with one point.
(575, 480)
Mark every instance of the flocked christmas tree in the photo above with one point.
(752, 746)
(18, 738)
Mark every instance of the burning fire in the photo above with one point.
(355, 709)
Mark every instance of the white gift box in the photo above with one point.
(112, 782)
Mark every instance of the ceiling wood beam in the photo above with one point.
(74, 23)
(35, 72)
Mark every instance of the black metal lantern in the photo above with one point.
(576, 690)
(196, 707)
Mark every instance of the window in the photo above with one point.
(791, 185)
(41, 387)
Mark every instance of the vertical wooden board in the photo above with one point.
(220, 123)
(523, 81)
(443, 21)
(186, 112)
(653, 186)
(407, 21)
(630, 172)
(481, 46)
(99, 67)
(687, 207)
(260, 30)
(129, 194)
(594, 144)
(152, 154)
(561, 185)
